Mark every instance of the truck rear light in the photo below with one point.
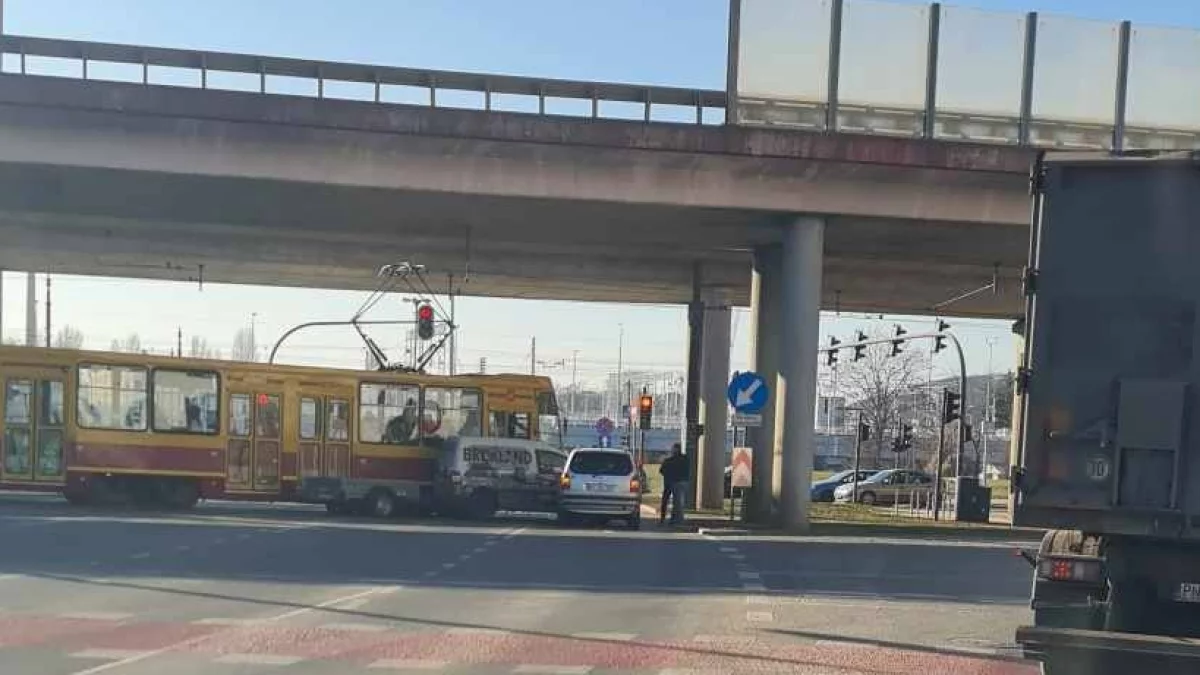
(635, 485)
(564, 481)
(1070, 569)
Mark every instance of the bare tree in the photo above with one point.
(882, 386)
(244, 348)
(131, 344)
(69, 337)
(199, 349)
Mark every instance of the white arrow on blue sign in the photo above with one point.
(748, 392)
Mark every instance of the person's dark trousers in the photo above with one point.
(679, 491)
(668, 490)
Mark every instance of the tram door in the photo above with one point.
(33, 426)
(324, 445)
(255, 439)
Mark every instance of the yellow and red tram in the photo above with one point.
(164, 430)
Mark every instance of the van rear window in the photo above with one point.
(602, 464)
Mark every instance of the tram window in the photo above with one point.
(18, 400)
(310, 417)
(186, 401)
(112, 397)
(239, 415)
(387, 413)
(50, 411)
(450, 411)
(509, 424)
(267, 420)
(338, 427)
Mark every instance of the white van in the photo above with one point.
(478, 476)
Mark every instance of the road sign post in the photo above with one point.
(748, 394)
(741, 474)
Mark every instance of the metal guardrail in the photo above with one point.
(322, 72)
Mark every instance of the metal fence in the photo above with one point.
(961, 74)
(379, 84)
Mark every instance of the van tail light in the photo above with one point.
(1070, 569)
(564, 481)
(635, 485)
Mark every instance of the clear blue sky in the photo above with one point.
(674, 42)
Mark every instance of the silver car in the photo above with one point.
(888, 487)
(600, 484)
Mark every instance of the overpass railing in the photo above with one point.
(960, 74)
(336, 80)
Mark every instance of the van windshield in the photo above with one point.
(602, 464)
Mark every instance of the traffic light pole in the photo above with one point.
(941, 451)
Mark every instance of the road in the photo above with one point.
(242, 590)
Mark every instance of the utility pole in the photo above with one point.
(453, 331)
(574, 379)
(47, 311)
(30, 309)
(483, 365)
(1, 270)
(253, 342)
(533, 355)
(179, 341)
(620, 357)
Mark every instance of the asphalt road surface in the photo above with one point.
(247, 590)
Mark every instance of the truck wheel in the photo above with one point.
(481, 504)
(380, 503)
(867, 498)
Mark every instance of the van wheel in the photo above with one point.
(380, 503)
(481, 504)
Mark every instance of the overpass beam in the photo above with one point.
(764, 359)
(803, 247)
(714, 380)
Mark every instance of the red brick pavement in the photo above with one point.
(742, 654)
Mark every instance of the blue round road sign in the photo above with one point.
(748, 393)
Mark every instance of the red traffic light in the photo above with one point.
(425, 313)
(646, 403)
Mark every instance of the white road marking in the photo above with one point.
(6, 577)
(140, 556)
(756, 588)
(757, 600)
(479, 550)
(448, 566)
(222, 621)
(408, 664)
(96, 616)
(760, 617)
(431, 573)
(552, 670)
(707, 638)
(218, 541)
(259, 659)
(464, 630)
(106, 654)
(616, 637)
(727, 549)
(354, 604)
(490, 542)
(737, 556)
(842, 644)
(358, 627)
(749, 575)
(464, 557)
(176, 646)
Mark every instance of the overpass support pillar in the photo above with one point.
(714, 378)
(803, 248)
(764, 359)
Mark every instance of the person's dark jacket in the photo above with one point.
(674, 469)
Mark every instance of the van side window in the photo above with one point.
(550, 462)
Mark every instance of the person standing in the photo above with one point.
(674, 471)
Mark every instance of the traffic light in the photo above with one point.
(906, 437)
(898, 341)
(831, 354)
(424, 321)
(939, 341)
(860, 350)
(645, 410)
(950, 406)
(864, 432)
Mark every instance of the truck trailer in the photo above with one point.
(1108, 424)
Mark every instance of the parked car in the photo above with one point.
(600, 484)
(822, 490)
(888, 487)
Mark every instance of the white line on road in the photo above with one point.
(466, 630)
(464, 557)
(96, 616)
(140, 556)
(727, 549)
(222, 621)
(479, 550)
(737, 556)
(408, 664)
(756, 588)
(552, 670)
(259, 659)
(760, 617)
(615, 637)
(757, 600)
(448, 566)
(175, 646)
(357, 627)
(183, 547)
(106, 654)
(353, 604)
(749, 575)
